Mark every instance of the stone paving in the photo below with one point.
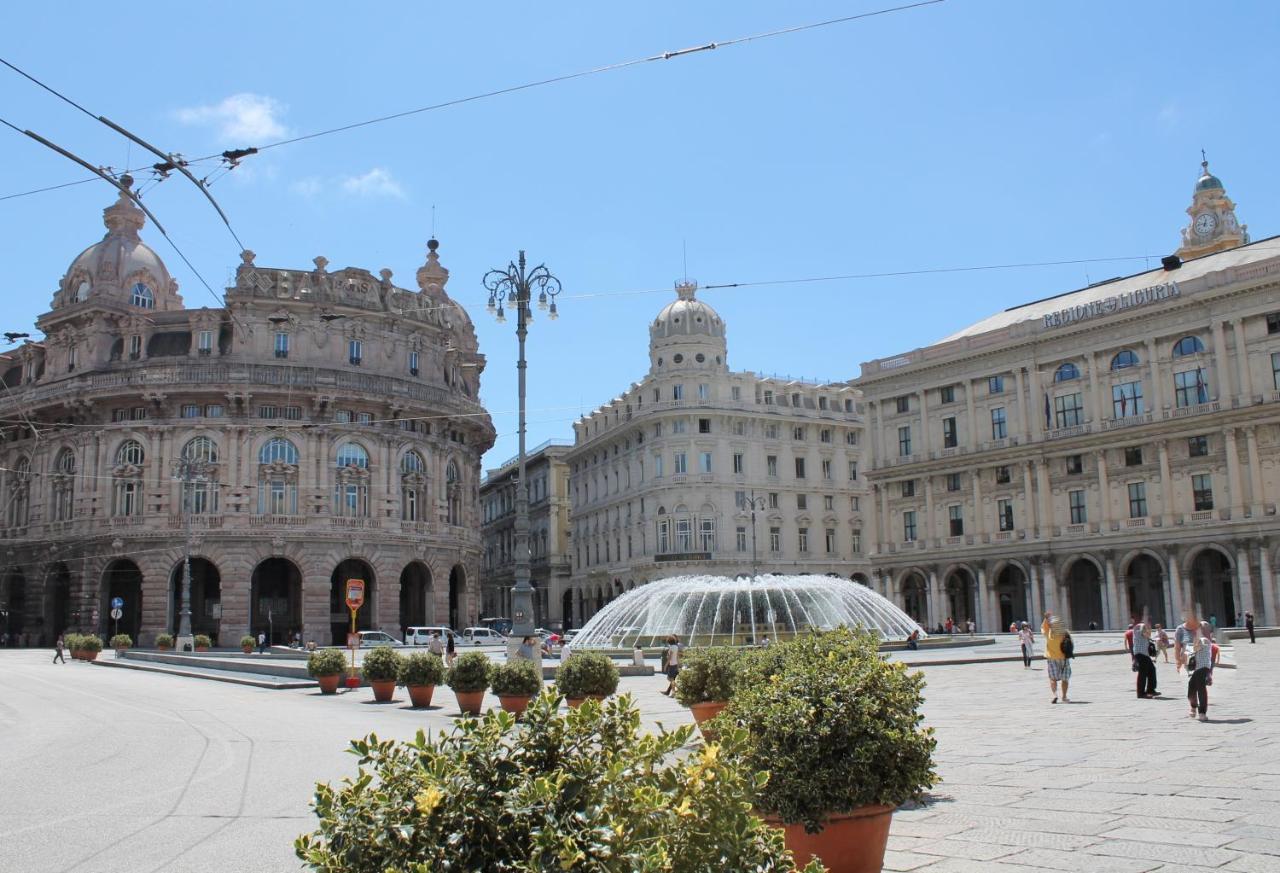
(115, 770)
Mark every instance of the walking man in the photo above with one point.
(436, 647)
(1056, 660)
(1146, 668)
(262, 643)
(57, 650)
(1248, 625)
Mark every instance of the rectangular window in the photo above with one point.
(1133, 456)
(268, 412)
(1202, 491)
(773, 499)
(797, 433)
(1275, 370)
(822, 403)
(213, 410)
(135, 347)
(739, 464)
(799, 468)
(707, 534)
(771, 431)
(1190, 387)
(1075, 465)
(855, 542)
(949, 438)
(119, 415)
(204, 343)
(705, 462)
(904, 440)
(681, 465)
(853, 470)
(190, 410)
(139, 413)
(826, 471)
(739, 428)
(740, 499)
(657, 430)
(413, 363)
(677, 392)
(955, 519)
(1075, 499)
(853, 503)
(664, 536)
(679, 425)
(851, 438)
(1003, 476)
(282, 345)
(684, 535)
(829, 502)
(1004, 513)
(953, 481)
(1068, 410)
(771, 465)
(795, 400)
(995, 385)
(657, 466)
(999, 424)
(909, 488)
(1137, 499)
(768, 398)
(947, 394)
(824, 435)
(740, 536)
(355, 351)
(775, 539)
(1126, 400)
(704, 391)
(903, 404)
(802, 502)
(736, 392)
(802, 540)
(342, 416)
(848, 406)
(1273, 322)
(830, 541)
(1197, 446)
(909, 526)
(704, 425)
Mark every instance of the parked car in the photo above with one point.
(569, 635)
(372, 639)
(421, 636)
(483, 636)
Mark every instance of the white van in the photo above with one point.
(421, 636)
(483, 636)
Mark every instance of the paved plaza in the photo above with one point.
(115, 770)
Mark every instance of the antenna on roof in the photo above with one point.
(684, 257)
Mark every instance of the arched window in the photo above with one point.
(130, 452)
(278, 449)
(453, 485)
(412, 463)
(1123, 360)
(64, 471)
(201, 449)
(200, 490)
(1066, 373)
(1188, 345)
(19, 496)
(413, 487)
(353, 455)
(66, 462)
(351, 492)
(82, 292)
(142, 296)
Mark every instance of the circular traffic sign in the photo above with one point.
(116, 613)
(117, 603)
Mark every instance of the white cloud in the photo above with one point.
(378, 182)
(242, 119)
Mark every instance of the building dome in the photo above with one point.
(120, 268)
(687, 333)
(1208, 181)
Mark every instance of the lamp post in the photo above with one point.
(188, 471)
(754, 503)
(514, 287)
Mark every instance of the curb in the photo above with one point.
(282, 685)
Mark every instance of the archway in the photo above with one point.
(1011, 591)
(415, 596)
(915, 598)
(275, 599)
(580, 617)
(1084, 591)
(599, 599)
(339, 614)
(122, 579)
(566, 610)
(13, 602)
(458, 617)
(58, 600)
(1213, 588)
(206, 598)
(961, 592)
(1145, 584)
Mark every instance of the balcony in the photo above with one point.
(199, 520)
(1196, 409)
(1130, 523)
(277, 521)
(1201, 517)
(1061, 433)
(1127, 421)
(356, 523)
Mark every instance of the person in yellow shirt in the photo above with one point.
(1059, 666)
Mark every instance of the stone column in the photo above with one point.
(1033, 585)
(1255, 471)
(1095, 393)
(1166, 485)
(969, 410)
(936, 603)
(1023, 427)
(1035, 408)
(1029, 500)
(1051, 594)
(1242, 361)
(1046, 501)
(1244, 580)
(986, 620)
(926, 439)
(885, 528)
(873, 522)
(928, 510)
(1104, 492)
(1174, 595)
(315, 608)
(1268, 614)
(1236, 502)
(979, 518)
(1221, 363)
(1115, 611)
(1157, 379)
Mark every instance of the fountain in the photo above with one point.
(720, 611)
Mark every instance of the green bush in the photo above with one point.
(202, 640)
(586, 674)
(516, 678)
(91, 643)
(381, 665)
(585, 791)
(708, 675)
(121, 641)
(247, 641)
(422, 668)
(326, 662)
(164, 640)
(836, 726)
(72, 641)
(470, 672)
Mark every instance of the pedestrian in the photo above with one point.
(1199, 663)
(1141, 653)
(1248, 625)
(765, 642)
(1213, 623)
(1027, 641)
(1128, 642)
(1185, 638)
(262, 643)
(525, 650)
(1215, 653)
(436, 645)
(951, 625)
(973, 627)
(913, 640)
(1013, 627)
(1093, 626)
(1162, 642)
(57, 650)
(1058, 664)
(450, 650)
(671, 662)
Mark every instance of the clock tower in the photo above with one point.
(1213, 226)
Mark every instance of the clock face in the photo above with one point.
(1205, 223)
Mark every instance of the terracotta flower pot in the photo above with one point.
(90, 655)
(420, 695)
(575, 702)
(77, 655)
(516, 703)
(383, 689)
(202, 648)
(163, 648)
(470, 702)
(329, 684)
(248, 650)
(706, 711)
(852, 842)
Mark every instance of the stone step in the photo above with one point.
(207, 673)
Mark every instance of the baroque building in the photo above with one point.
(549, 562)
(322, 425)
(697, 469)
(1106, 453)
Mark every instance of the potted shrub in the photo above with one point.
(706, 680)
(381, 668)
(246, 644)
(326, 667)
(72, 642)
(202, 642)
(164, 642)
(121, 642)
(579, 790)
(838, 728)
(421, 672)
(469, 677)
(515, 682)
(586, 674)
(90, 645)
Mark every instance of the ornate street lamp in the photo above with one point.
(188, 471)
(754, 503)
(515, 287)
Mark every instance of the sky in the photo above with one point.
(961, 134)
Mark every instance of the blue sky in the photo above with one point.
(972, 132)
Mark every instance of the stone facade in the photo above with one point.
(550, 568)
(1103, 454)
(663, 478)
(321, 426)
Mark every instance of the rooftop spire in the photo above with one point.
(123, 216)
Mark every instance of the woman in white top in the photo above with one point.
(671, 662)
(1028, 642)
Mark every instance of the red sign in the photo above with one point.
(355, 593)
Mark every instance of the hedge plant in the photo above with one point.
(587, 674)
(422, 668)
(585, 791)
(708, 675)
(381, 665)
(326, 662)
(164, 640)
(72, 641)
(247, 642)
(518, 677)
(470, 672)
(91, 643)
(203, 641)
(837, 727)
(121, 641)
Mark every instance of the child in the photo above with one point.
(1162, 642)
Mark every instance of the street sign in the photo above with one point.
(355, 593)
(117, 613)
(117, 603)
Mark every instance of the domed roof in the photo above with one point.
(686, 316)
(1208, 181)
(120, 267)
